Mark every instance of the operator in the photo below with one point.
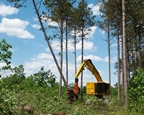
(73, 93)
(76, 86)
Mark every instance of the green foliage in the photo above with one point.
(44, 78)
(19, 71)
(114, 91)
(85, 15)
(136, 91)
(7, 101)
(18, 3)
(58, 10)
(5, 54)
(18, 91)
(27, 83)
(11, 82)
(45, 100)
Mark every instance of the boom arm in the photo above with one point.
(89, 65)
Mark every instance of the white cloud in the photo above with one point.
(47, 61)
(87, 45)
(97, 58)
(5, 73)
(91, 33)
(92, 57)
(106, 59)
(114, 45)
(102, 32)
(2, 64)
(56, 45)
(36, 26)
(42, 60)
(112, 59)
(95, 8)
(15, 27)
(49, 21)
(52, 23)
(7, 10)
(43, 56)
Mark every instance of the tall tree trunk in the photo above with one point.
(139, 44)
(124, 55)
(47, 40)
(61, 56)
(128, 60)
(118, 54)
(75, 50)
(66, 53)
(122, 72)
(118, 59)
(109, 59)
(82, 53)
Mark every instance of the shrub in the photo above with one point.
(7, 101)
(136, 91)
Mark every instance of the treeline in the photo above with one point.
(134, 14)
(124, 21)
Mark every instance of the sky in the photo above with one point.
(20, 28)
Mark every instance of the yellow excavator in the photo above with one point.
(98, 89)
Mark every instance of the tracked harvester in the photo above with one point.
(98, 89)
